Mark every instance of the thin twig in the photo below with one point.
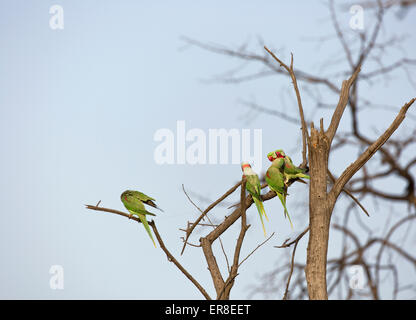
(342, 103)
(285, 244)
(305, 135)
(171, 258)
(255, 249)
(209, 220)
(121, 213)
(332, 178)
(291, 270)
(370, 151)
(211, 206)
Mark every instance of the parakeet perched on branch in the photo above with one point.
(275, 178)
(254, 188)
(290, 170)
(133, 201)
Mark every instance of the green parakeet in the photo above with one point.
(254, 188)
(133, 201)
(275, 178)
(290, 170)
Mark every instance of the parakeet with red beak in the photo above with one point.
(254, 188)
(133, 201)
(290, 170)
(275, 178)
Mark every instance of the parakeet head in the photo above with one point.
(245, 165)
(125, 194)
(280, 153)
(247, 171)
(275, 154)
(271, 156)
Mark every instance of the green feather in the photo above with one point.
(254, 188)
(291, 171)
(142, 218)
(275, 178)
(135, 206)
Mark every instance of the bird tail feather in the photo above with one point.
(146, 226)
(260, 209)
(283, 200)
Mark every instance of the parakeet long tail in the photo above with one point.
(145, 225)
(260, 209)
(283, 200)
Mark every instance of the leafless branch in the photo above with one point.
(170, 257)
(305, 135)
(369, 152)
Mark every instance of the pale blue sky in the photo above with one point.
(78, 111)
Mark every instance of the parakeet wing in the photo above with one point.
(290, 168)
(135, 206)
(253, 185)
(146, 199)
(141, 196)
(275, 179)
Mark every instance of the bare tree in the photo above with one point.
(318, 276)
(395, 157)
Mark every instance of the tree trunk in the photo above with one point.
(320, 209)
